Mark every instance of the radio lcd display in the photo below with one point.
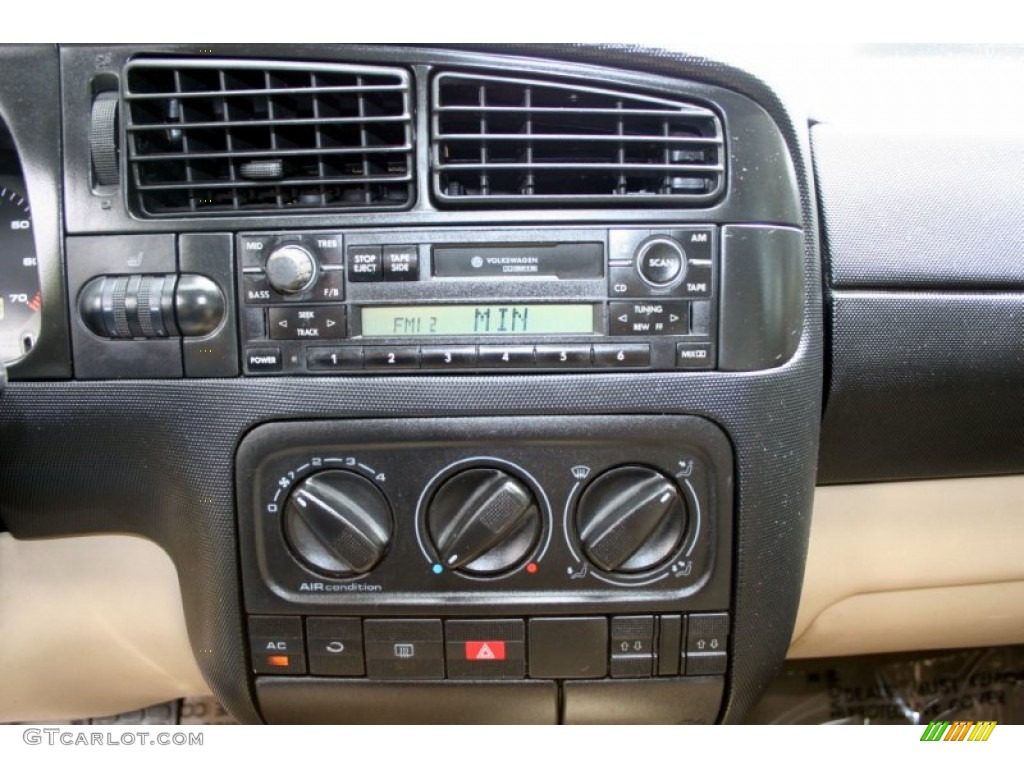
(478, 320)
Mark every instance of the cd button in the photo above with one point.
(392, 357)
(506, 357)
(401, 262)
(622, 355)
(448, 357)
(364, 263)
(334, 358)
(563, 356)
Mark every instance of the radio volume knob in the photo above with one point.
(631, 519)
(338, 523)
(483, 522)
(290, 269)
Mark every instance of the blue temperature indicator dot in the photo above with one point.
(437, 568)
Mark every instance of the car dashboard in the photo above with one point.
(503, 384)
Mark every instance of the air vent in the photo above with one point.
(216, 137)
(525, 142)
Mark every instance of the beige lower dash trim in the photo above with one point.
(915, 565)
(91, 626)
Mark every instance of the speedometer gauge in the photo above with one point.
(20, 298)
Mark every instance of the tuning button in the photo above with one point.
(338, 523)
(290, 269)
(483, 522)
(630, 520)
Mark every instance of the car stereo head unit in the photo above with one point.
(489, 300)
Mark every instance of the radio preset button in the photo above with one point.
(661, 261)
(563, 355)
(401, 262)
(448, 357)
(648, 318)
(364, 263)
(391, 357)
(334, 358)
(622, 355)
(506, 357)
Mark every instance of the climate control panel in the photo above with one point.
(527, 515)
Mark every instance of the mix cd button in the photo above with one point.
(697, 354)
(307, 322)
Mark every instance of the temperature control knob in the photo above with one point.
(290, 269)
(631, 519)
(483, 521)
(338, 523)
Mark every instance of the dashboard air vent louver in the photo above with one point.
(512, 141)
(216, 137)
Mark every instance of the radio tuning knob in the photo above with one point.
(483, 522)
(631, 519)
(290, 269)
(338, 523)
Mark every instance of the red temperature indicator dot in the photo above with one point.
(531, 568)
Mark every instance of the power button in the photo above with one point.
(661, 262)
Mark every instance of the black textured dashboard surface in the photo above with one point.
(916, 209)
(155, 457)
(924, 385)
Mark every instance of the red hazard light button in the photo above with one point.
(489, 650)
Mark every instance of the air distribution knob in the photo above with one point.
(290, 269)
(338, 523)
(631, 519)
(483, 521)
